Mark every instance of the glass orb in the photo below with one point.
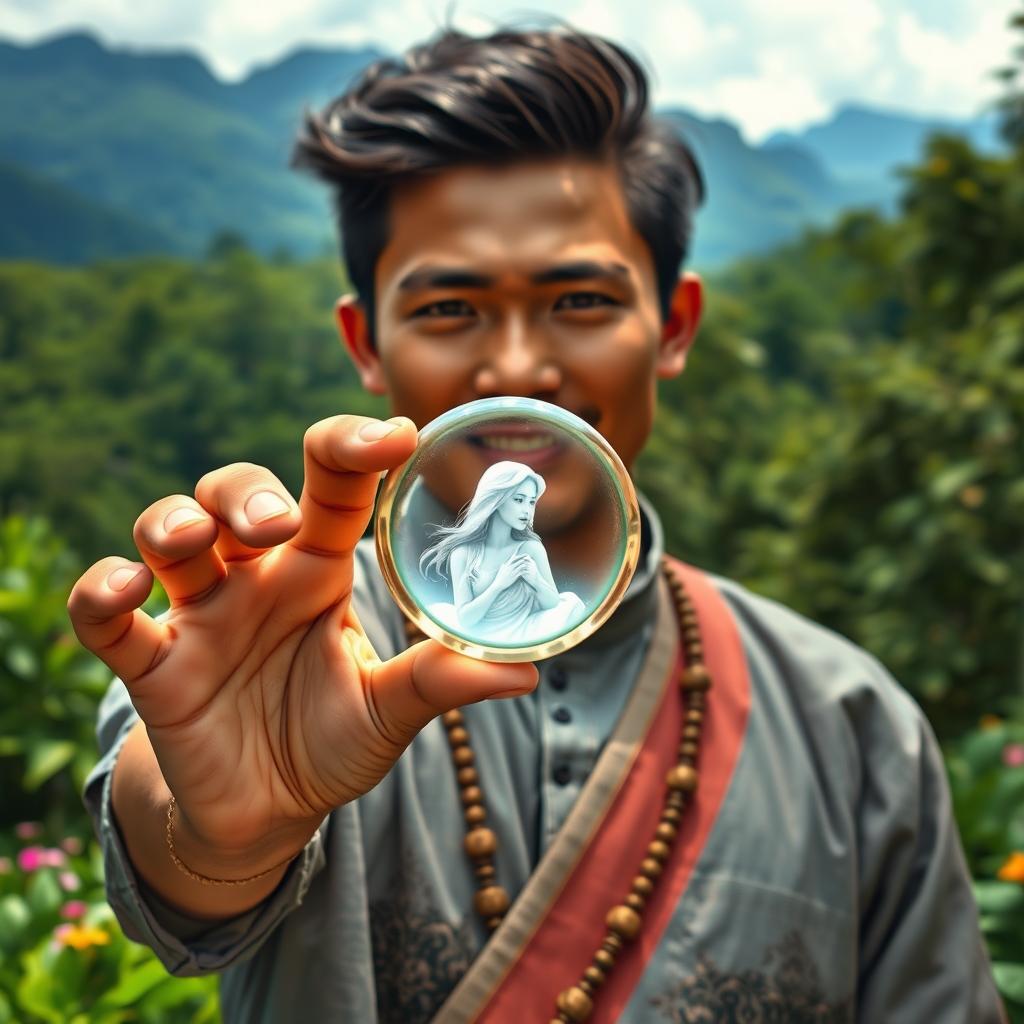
(511, 533)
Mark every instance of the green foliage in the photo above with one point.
(63, 957)
(49, 685)
(128, 382)
(986, 774)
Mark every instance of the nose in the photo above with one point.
(517, 359)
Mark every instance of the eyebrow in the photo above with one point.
(457, 277)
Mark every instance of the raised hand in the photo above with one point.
(509, 571)
(529, 571)
(265, 704)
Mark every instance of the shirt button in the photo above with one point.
(558, 678)
(562, 714)
(562, 774)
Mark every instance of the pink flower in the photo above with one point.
(1013, 755)
(5, 865)
(69, 881)
(27, 829)
(73, 909)
(31, 859)
(53, 858)
(72, 845)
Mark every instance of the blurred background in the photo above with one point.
(846, 439)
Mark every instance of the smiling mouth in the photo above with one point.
(512, 443)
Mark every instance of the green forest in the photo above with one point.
(847, 439)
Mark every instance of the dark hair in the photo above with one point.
(513, 95)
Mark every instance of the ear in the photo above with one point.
(680, 328)
(350, 316)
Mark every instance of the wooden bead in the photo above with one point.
(650, 867)
(472, 795)
(475, 815)
(676, 798)
(575, 1003)
(493, 923)
(612, 943)
(671, 815)
(481, 842)
(642, 885)
(688, 748)
(595, 976)
(458, 737)
(691, 732)
(696, 700)
(484, 872)
(624, 921)
(665, 831)
(491, 902)
(635, 901)
(658, 850)
(604, 959)
(467, 776)
(586, 986)
(462, 756)
(682, 777)
(452, 718)
(694, 652)
(694, 717)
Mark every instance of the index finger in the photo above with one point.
(343, 458)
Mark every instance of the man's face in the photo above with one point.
(524, 279)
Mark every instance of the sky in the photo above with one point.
(766, 65)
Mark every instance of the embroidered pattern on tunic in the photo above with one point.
(418, 956)
(787, 991)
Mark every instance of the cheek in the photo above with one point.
(422, 378)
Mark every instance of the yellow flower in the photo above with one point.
(81, 936)
(1013, 869)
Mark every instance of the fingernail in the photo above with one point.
(264, 505)
(120, 578)
(376, 429)
(180, 518)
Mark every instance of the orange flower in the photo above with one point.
(989, 722)
(81, 936)
(1013, 869)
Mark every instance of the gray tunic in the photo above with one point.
(832, 886)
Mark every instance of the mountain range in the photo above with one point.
(110, 152)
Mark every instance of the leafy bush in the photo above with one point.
(63, 957)
(986, 773)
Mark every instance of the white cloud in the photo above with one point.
(765, 64)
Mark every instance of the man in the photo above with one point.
(514, 223)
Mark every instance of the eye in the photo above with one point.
(445, 307)
(584, 300)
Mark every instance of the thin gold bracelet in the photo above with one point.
(205, 879)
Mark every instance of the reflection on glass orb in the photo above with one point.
(511, 533)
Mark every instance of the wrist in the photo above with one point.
(235, 864)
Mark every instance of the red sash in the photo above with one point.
(525, 977)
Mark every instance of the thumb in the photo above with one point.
(427, 679)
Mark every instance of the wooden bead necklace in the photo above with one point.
(623, 920)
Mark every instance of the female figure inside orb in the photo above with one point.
(501, 580)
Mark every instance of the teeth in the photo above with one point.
(508, 443)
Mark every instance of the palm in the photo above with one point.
(264, 703)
